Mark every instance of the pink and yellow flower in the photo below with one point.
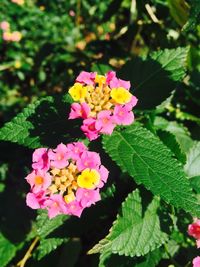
(102, 102)
(65, 180)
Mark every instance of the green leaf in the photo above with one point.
(192, 167)
(178, 130)
(195, 183)
(179, 10)
(150, 260)
(48, 245)
(154, 78)
(45, 225)
(194, 18)
(141, 154)
(7, 251)
(133, 234)
(170, 141)
(101, 68)
(43, 123)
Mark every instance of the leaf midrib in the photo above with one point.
(148, 166)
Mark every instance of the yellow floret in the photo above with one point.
(100, 79)
(88, 179)
(78, 92)
(120, 95)
(69, 198)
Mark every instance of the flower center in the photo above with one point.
(39, 180)
(64, 181)
(60, 156)
(98, 99)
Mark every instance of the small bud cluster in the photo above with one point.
(102, 102)
(65, 180)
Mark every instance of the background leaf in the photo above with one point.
(192, 167)
(154, 78)
(194, 17)
(7, 251)
(178, 130)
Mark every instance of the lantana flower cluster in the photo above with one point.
(194, 231)
(102, 102)
(65, 180)
(9, 36)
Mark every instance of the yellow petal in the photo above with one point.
(78, 92)
(100, 79)
(69, 198)
(88, 179)
(121, 95)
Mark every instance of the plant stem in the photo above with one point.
(170, 257)
(78, 12)
(28, 254)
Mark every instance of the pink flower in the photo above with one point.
(4, 25)
(194, 229)
(79, 111)
(122, 115)
(86, 77)
(105, 122)
(36, 200)
(196, 262)
(74, 208)
(39, 180)
(87, 197)
(76, 149)
(89, 129)
(114, 82)
(41, 159)
(55, 205)
(59, 156)
(89, 160)
(104, 176)
(72, 13)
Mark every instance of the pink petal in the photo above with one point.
(196, 262)
(86, 77)
(31, 201)
(89, 129)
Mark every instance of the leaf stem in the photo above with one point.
(28, 254)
